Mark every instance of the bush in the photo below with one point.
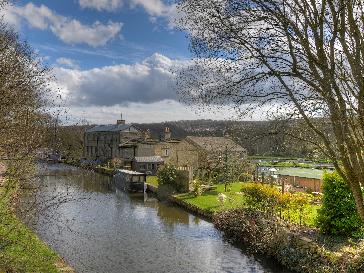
(261, 197)
(182, 181)
(338, 214)
(271, 201)
(197, 187)
(167, 175)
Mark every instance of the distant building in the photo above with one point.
(304, 178)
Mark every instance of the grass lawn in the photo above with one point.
(20, 249)
(152, 180)
(209, 202)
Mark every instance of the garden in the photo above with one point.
(305, 232)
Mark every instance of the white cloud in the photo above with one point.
(144, 92)
(149, 81)
(157, 8)
(109, 5)
(67, 62)
(152, 7)
(69, 30)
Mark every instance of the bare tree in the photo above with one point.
(25, 98)
(305, 58)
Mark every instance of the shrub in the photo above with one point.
(182, 181)
(167, 175)
(175, 179)
(261, 197)
(271, 201)
(338, 214)
(299, 201)
(197, 187)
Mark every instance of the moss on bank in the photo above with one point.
(20, 249)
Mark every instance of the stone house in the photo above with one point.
(201, 152)
(123, 141)
(165, 148)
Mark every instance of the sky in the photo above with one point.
(110, 57)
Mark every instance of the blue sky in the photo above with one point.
(142, 34)
(110, 56)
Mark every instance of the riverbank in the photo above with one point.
(21, 250)
(302, 249)
(299, 248)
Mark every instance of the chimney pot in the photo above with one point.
(121, 121)
(167, 133)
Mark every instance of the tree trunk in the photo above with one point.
(358, 196)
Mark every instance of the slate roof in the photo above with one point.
(149, 159)
(110, 128)
(216, 144)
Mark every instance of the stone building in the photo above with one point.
(166, 147)
(120, 140)
(137, 150)
(200, 152)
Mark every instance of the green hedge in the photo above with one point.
(338, 214)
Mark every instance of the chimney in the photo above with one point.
(167, 134)
(121, 121)
(147, 134)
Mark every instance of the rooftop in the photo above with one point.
(110, 128)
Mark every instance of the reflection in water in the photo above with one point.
(102, 229)
(172, 215)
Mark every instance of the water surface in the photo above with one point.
(98, 228)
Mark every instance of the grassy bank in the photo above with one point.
(20, 249)
(208, 202)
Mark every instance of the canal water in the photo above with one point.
(97, 228)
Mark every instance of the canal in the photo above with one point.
(97, 228)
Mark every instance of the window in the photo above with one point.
(142, 167)
(166, 152)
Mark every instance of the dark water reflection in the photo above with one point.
(98, 228)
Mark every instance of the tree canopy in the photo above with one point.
(301, 58)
